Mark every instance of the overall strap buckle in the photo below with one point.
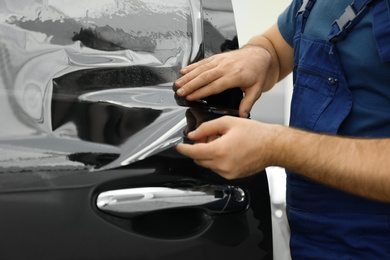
(345, 21)
(306, 6)
(352, 15)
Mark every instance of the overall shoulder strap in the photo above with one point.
(352, 16)
(306, 6)
(303, 14)
(381, 25)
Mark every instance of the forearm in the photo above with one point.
(280, 51)
(358, 166)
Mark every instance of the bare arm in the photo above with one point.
(358, 166)
(282, 52)
(255, 68)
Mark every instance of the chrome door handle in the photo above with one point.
(212, 198)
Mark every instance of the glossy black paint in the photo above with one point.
(64, 224)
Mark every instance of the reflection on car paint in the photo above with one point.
(88, 85)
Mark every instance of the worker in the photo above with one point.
(336, 151)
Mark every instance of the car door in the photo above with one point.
(88, 168)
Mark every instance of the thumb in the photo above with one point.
(210, 128)
(247, 103)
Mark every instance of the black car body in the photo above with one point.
(89, 121)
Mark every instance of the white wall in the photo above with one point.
(253, 17)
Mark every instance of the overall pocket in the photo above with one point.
(313, 92)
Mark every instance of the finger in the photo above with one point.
(195, 65)
(210, 128)
(203, 140)
(196, 152)
(214, 87)
(197, 78)
(246, 104)
(186, 70)
(211, 138)
(207, 139)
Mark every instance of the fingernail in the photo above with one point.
(244, 114)
(191, 134)
(184, 70)
(179, 82)
(180, 92)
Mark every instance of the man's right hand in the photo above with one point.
(246, 68)
(255, 68)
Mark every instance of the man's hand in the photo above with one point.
(232, 147)
(246, 68)
(236, 147)
(255, 68)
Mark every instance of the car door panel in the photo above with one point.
(66, 222)
(88, 109)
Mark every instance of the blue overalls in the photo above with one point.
(326, 223)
